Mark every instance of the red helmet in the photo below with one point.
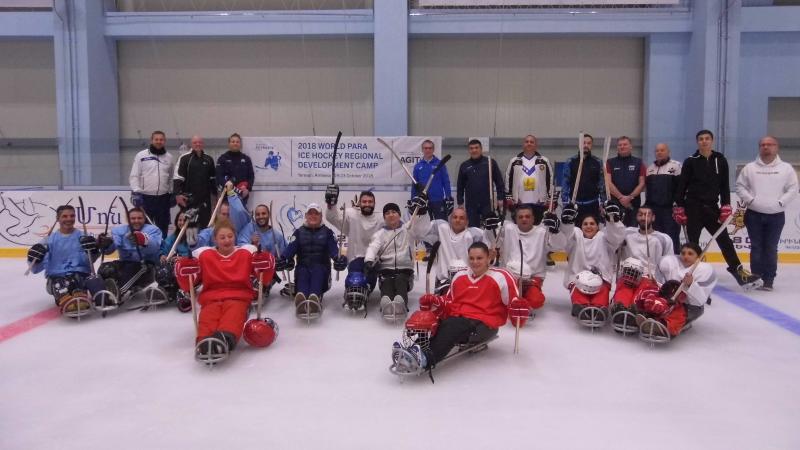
(260, 333)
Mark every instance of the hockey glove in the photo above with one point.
(104, 241)
(418, 205)
(332, 194)
(569, 213)
(509, 203)
(137, 199)
(264, 265)
(679, 215)
(492, 221)
(284, 264)
(724, 212)
(612, 211)
(449, 204)
(518, 311)
(88, 244)
(550, 220)
(369, 267)
(139, 238)
(340, 263)
(191, 215)
(187, 272)
(36, 253)
(429, 302)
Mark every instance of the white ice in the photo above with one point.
(129, 381)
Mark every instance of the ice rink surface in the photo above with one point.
(129, 381)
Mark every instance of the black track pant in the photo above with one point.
(703, 216)
(395, 282)
(456, 330)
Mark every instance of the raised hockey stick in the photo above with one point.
(193, 298)
(397, 157)
(519, 291)
(49, 232)
(83, 221)
(431, 259)
(335, 150)
(286, 273)
(182, 231)
(216, 207)
(716, 234)
(275, 240)
(492, 193)
(606, 175)
(341, 237)
(108, 221)
(580, 169)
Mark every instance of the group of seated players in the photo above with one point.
(483, 277)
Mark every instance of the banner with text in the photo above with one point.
(360, 160)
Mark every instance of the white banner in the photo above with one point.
(26, 216)
(360, 160)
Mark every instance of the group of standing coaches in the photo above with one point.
(158, 182)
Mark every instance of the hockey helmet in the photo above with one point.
(420, 328)
(457, 265)
(632, 271)
(165, 275)
(183, 302)
(588, 282)
(356, 290)
(260, 333)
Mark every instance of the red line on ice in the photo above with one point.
(28, 323)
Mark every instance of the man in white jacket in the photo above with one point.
(151, 181)
(766, 185)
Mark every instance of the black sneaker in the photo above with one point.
(767, 286)
(745, 279)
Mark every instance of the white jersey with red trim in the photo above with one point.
(536, 242)
(588, 253)
(453, 247)
(703, 278)
(636, 245)
(482, 298)
(225, 277)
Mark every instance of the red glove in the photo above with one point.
(518, 311)
(430, 302)
(139, 238)
(509, 203)
(187, 272)
(679, 215)
(243, 188)
(264, 265)
(724, 213)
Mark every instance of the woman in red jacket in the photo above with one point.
(225, 272)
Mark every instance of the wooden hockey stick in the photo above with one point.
(606, 175)
(519, 289)
(700, 257)
(216, 207)
(397, 157)
(580, 169)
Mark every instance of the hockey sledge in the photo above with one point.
(406, 368)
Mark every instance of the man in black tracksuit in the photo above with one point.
(704, 186)
(661, 183)
(626, 173)
(591, 189)
(194, 182)
(473, 181)
(236, 167)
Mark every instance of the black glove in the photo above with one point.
(449, 205)
(88, 243)
(340, 263)
(137, 199)
(418, 205)
(550, 220)
(104, 241)
(191, 215)
(369, 267)
(417, 188)
(612, 211)
(36, 253)
(332, 194)
(569, 213)
(284, 264)
(492, 221)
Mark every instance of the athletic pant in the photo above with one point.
(680, 316)
(123, 271)
(598, 299)
(357, 265)
(476, 213)
(453, 331)
(704, 216)
(667, 225)
(629, 218)
(157, 208)
(764, 231)
(436, 210)
(227, 316)
(625, 295)
(396, 282)
(61, 286)
(312, 279)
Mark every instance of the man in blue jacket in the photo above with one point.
(626, 180)
(440, 198)
(236, 167)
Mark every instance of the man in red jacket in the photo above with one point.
(478, 303)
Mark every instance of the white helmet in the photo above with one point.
(632, 271)
(588, 282)
(455, 266)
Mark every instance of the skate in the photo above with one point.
(623, 321)
(592, 317)
(393, 309)
(746, 280)
(288, 290)
(149, 297)
(107, 299)
(307, 309)
(75, 305)
(409, 361)
(652, 331)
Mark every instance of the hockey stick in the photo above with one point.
(580, 169)
(519, 289)
(108, 221)
(492, 193)
(647, 243)
(286, 273)
(216, 207)
(397, 157)
(274, 239)
(700, 257)
(193, 298)
(182, 231)
(606, 175)
(49, 232)
(431, 259)
(83, 222)
(341, 236)
(335, 150)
